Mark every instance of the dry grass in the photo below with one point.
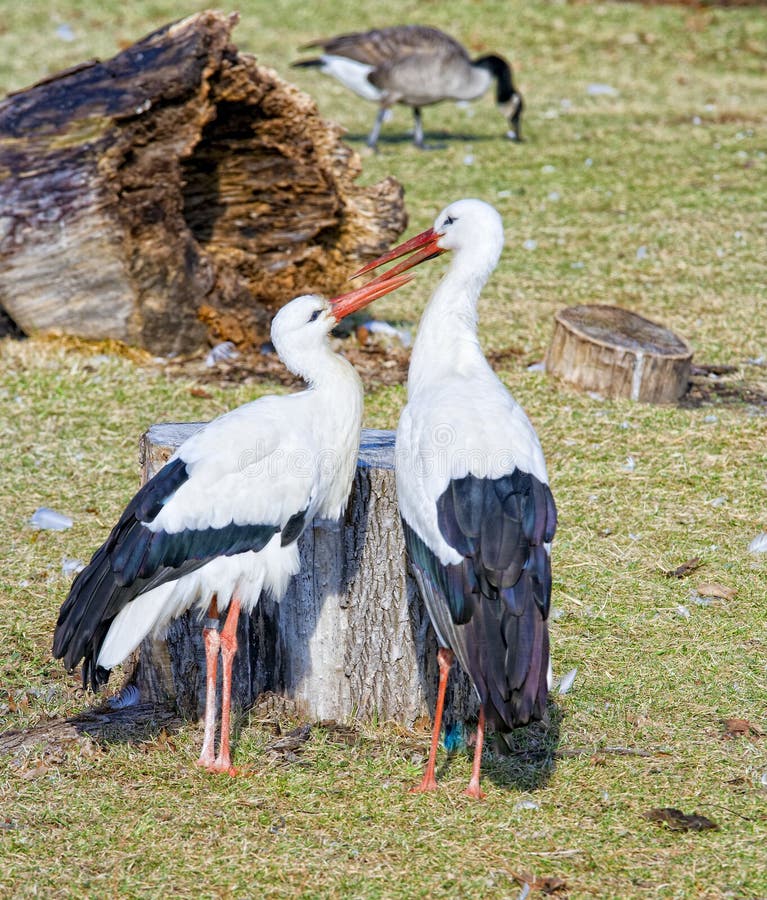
(658, 670)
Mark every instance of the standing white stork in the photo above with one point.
(472, 488)
(218, 524)
(416, 66)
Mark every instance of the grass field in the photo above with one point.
(675, 162)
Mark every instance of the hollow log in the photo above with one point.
(176, 192)
(618, 354)
(351, 638)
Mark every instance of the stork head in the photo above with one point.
(471, 228)
(471, 224)
(307, 320)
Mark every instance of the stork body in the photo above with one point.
(218, 524)
(415, 66)
(473, 492)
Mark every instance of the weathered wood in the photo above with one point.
(618, 354)
(175, 192)
(350, 638)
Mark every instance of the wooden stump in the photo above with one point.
(350, 638)
(618, 354)
(176, 192)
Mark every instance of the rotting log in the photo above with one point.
(351, 638)
(617, 353)
(176, 192)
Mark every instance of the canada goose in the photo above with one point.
(416, 66)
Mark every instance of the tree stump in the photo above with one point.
(351, 638)
(176, 192)
(618, 354)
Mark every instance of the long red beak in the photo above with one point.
(425, 246)
(354, 300)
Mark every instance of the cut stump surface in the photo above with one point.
(618, 353)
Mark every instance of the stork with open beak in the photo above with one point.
(473, 491)
(218, 524)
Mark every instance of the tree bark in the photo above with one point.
(618, 354)
(177, 192)
(350, 638)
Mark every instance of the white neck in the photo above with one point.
(447, 341)
(334, 399)
(316, 363)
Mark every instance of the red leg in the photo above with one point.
(223, 761)
(473, 789)
(212, 640)
(429, 783)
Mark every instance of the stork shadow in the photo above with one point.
(106, 725)
(521, 760)
(525, 758)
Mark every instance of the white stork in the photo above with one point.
(416, 66)
(473, 492)
(218, 524)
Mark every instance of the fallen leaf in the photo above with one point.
(676, 820)
(17, 702)
(37, 772)
(740, 727)
(292, 741)
(341, 734)
(685, 569)
(547, 885)
(200, 392)
(714, 589)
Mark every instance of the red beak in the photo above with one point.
(425, 245)
(354, 300)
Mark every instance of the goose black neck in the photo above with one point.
(501, 71)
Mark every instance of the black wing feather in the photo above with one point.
(492, 607)
(135, 559)
(467, 495)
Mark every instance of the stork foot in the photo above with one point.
(429, 783)
(473, 791)
(206, 760)
(223, 766)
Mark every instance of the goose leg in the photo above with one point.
(418, 132)
(473, 789)
(429, 783)
(212, 642)
(223, 762)
(372, 141)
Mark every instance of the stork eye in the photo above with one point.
(449, 220)
(315, 315)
